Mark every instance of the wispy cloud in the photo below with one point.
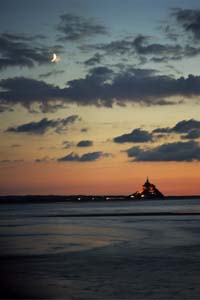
(23, 51)
(189, 19)
(44, 125)
(87, 157)
(75, 28)
(51, 73)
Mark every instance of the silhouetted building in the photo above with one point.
(148, 191)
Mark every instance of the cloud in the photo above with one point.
(42, 126)
(5, 107)
(22, 51)
(67, 144)
(108, 88)
(178, 151)
(192, 135)
(122, 46)
(186, 126)
(85, 143)
(15, 146)
(75, 28)
(95, 59)
(20, 37)
(136, 136)
(27, 92)
(84, 129)
(162, 130)
(41, 160)
(51, 73)
(101, 87)
(191, 127)
(87, 157)
(189, 19)
(144, 48)
(134, 151)
(5, 161)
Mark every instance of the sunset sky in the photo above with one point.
(121, 101)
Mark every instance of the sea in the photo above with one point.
(98, 250)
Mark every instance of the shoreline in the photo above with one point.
(20, 199)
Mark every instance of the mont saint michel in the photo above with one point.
(149, 191)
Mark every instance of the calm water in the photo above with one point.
(116, 257)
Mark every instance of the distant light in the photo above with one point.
(79, 198)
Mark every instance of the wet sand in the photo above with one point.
(147, 250)
(111, 273)
(144, 258)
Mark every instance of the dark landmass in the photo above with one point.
(12, 199)
(148, 191)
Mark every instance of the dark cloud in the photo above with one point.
(27, 92)
(170, 32)
(140, 46)
(191, 51)
(85, 143)
(125, 87)
(162, 130)
(122, 46)
(41, 160)
(143, 48)
(4, 161)
(133, 151)
(16, 50)
(22, 37)
(87, 157)
(96, 59)
(192, 135)
(191, 127)
(100, 87)
(75, 28)
(186, 126)
(84, 129)
(42, 126)
(5, 107)
(189, 19)
(51, 73)
(178, 151)
(136, 136)
(67, 144)
(137, 72)
(15, 146)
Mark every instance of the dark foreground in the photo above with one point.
(116, 257)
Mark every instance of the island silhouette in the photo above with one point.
(148, 191)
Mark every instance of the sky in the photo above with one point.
(119, 102)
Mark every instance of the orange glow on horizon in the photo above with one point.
(97, 178)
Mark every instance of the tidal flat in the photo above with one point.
(118, 257)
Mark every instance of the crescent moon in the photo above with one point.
(54, 59)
